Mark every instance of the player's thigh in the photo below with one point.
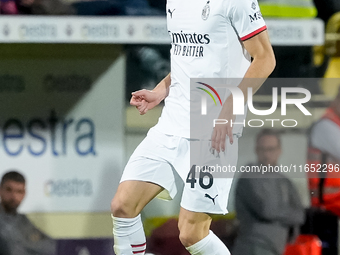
(145, 175)
(132, 196)
(151, 162)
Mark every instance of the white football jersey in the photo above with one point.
(206, 42)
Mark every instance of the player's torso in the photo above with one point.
(195, 23)
(204, 42)
(195, 26)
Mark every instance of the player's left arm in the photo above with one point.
(261, 67)
(260, 49)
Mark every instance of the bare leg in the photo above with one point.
(132, 196)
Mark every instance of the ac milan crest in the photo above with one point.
(206, 11)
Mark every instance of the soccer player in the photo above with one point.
(210, 39)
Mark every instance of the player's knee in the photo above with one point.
(187, 238)
(122, 209)
(192, 230)
(186, 234)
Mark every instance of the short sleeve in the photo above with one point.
(246, 18)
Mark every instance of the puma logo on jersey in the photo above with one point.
(208, 196)
(171, 12)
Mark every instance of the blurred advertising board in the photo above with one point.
(136, 30)
(61, 125)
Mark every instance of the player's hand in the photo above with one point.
(222, 131)
(144, 100)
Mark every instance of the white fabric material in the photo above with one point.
(156, 160)
(161, 158)
(210, 245)
(206, 43)
(325, 136)
(201, 197)
(128, 236)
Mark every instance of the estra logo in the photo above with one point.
(68, 188)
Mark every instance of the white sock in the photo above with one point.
(210, 245)
(129, 237)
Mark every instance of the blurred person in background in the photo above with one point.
(268, 148)
(16, 231)
(268, 206)
(4, 250)
(324, 158)
(323, 171)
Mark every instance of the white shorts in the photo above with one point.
(165, 160)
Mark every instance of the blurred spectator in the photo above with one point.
(268, 147)
(323, 169)
(268, 206)
(19, 234)
(4, 250)
(324, 159)
(35, 7)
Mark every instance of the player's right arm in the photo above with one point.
(247, 21)
(145, 100)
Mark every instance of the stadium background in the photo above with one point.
(80, 71)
